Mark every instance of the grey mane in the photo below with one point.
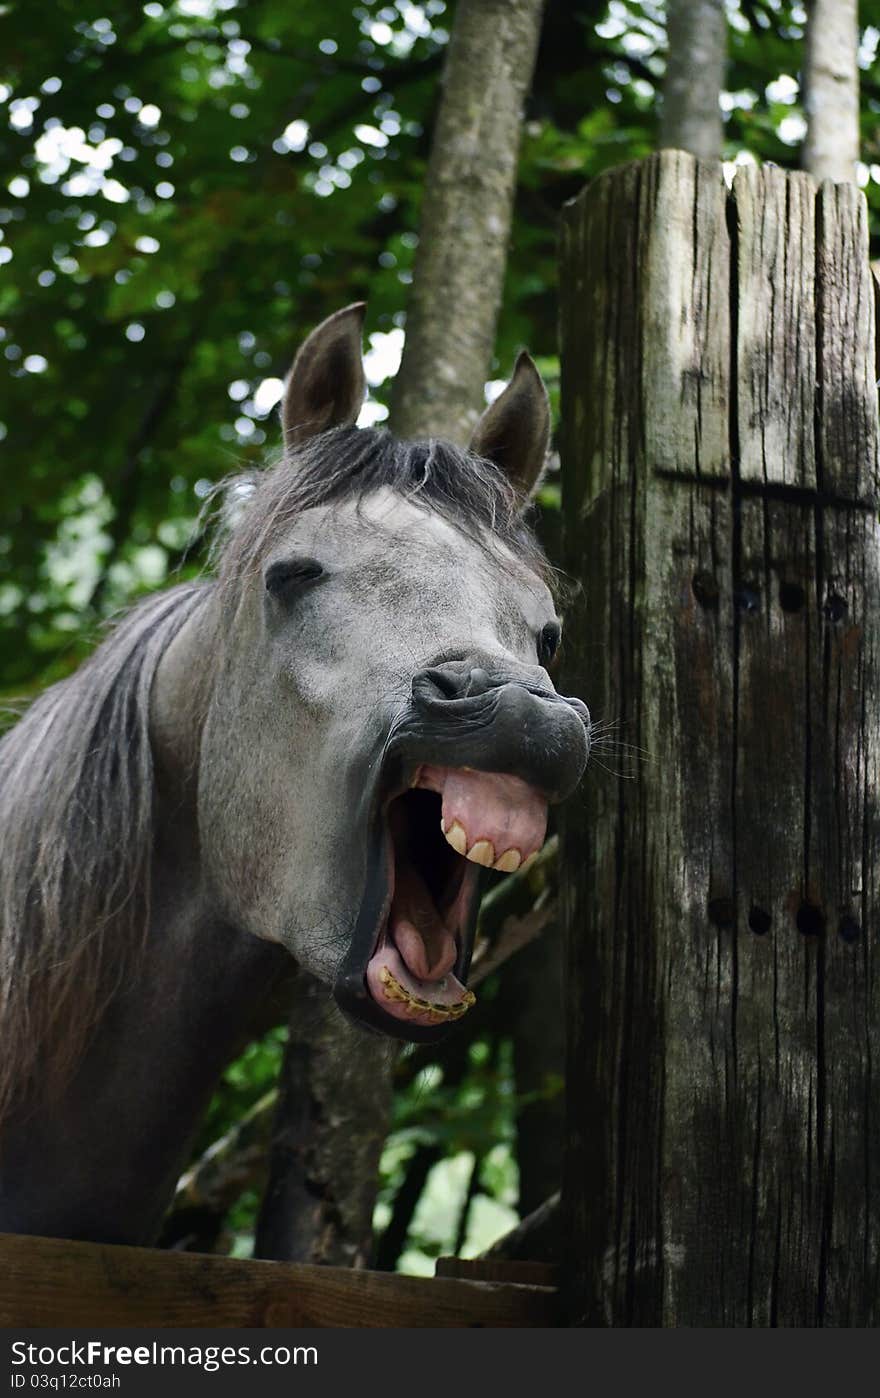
(76, 834)
(76, 772)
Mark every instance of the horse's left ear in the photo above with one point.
(326, 385)
(514, 431)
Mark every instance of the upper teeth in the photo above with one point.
(482, 851)
(456, 837)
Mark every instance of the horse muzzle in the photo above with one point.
(466, 778)
(472, 714)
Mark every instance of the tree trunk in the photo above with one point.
(696, 32)
(831, 89)
(721, 489)
(530, 1009)
(332, 1118)
(465, 220)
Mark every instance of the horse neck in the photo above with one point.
(102, 1159)
(99, 1158)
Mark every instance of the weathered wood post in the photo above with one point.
(723, 905)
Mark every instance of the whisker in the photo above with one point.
(615, 747)
(623, 776)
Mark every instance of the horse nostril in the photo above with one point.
(455, 680)
(478, 682)
(437, 683)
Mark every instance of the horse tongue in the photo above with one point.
(410, 972)
(425, 943)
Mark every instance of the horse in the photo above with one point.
(302, 758)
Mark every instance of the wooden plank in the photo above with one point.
(52, 1281)
(776, 326)
(605, 430)
(685, 315)
(721, 904)
(651, 643)
(846, 370)
(498, 1269)
(845, 870)
(773, 1145)
(687, 908)
(601, 427)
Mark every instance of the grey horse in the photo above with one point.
(304, 758)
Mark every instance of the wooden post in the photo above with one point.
(720, 463)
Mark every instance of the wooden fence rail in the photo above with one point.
(53, 1282)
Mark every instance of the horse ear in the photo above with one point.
(514, 431)
(326, 385)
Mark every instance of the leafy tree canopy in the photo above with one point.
(189, 186)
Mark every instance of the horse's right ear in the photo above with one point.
(326, 385)
(514, 431)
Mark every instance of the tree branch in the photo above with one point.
(538, 1238)
(325, 64)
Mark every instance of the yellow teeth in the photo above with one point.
(456, 837)
(483, 852)
(395, 991)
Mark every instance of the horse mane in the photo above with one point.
(351, 463)
(76, 772)
(76, 836)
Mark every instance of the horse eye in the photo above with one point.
(292, 573)
(548, 642)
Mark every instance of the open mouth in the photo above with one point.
(450, 821)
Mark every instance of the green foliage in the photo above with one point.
(471, 1122)
(191, 184)
(245, 1081)
(169, 247)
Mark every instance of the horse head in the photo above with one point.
(379, 721)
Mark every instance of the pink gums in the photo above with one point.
(506, 812)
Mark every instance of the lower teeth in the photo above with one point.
(395, 991)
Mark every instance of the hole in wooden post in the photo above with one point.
(835, 608)
(791, 597)
(810, 920)
(705, 590)
(759, 920)
(722, 912)
(747, 599)
(848, 929)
